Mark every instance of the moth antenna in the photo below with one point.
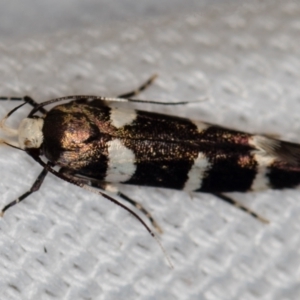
(100, 98)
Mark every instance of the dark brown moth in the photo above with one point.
(95, 144)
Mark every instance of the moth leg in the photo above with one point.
(114, 189)
(241, 207)
(141, 209)
(91, 185)
(35, 187)
(26, 99)
(139, 89)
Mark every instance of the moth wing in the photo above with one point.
(284, 151)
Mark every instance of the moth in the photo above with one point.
(93, 143)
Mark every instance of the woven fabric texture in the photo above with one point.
(239, 65)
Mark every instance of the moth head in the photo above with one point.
(28, 135)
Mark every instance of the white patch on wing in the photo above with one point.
(196, 174)
(120, 117)
(121, 162)
(200, 125)
(264, 143)
(261, 180)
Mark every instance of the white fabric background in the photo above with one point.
(243, 60)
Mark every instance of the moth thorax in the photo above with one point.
(30, 133)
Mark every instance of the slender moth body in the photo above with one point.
(96, 144)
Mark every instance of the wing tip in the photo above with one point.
(281, 150)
